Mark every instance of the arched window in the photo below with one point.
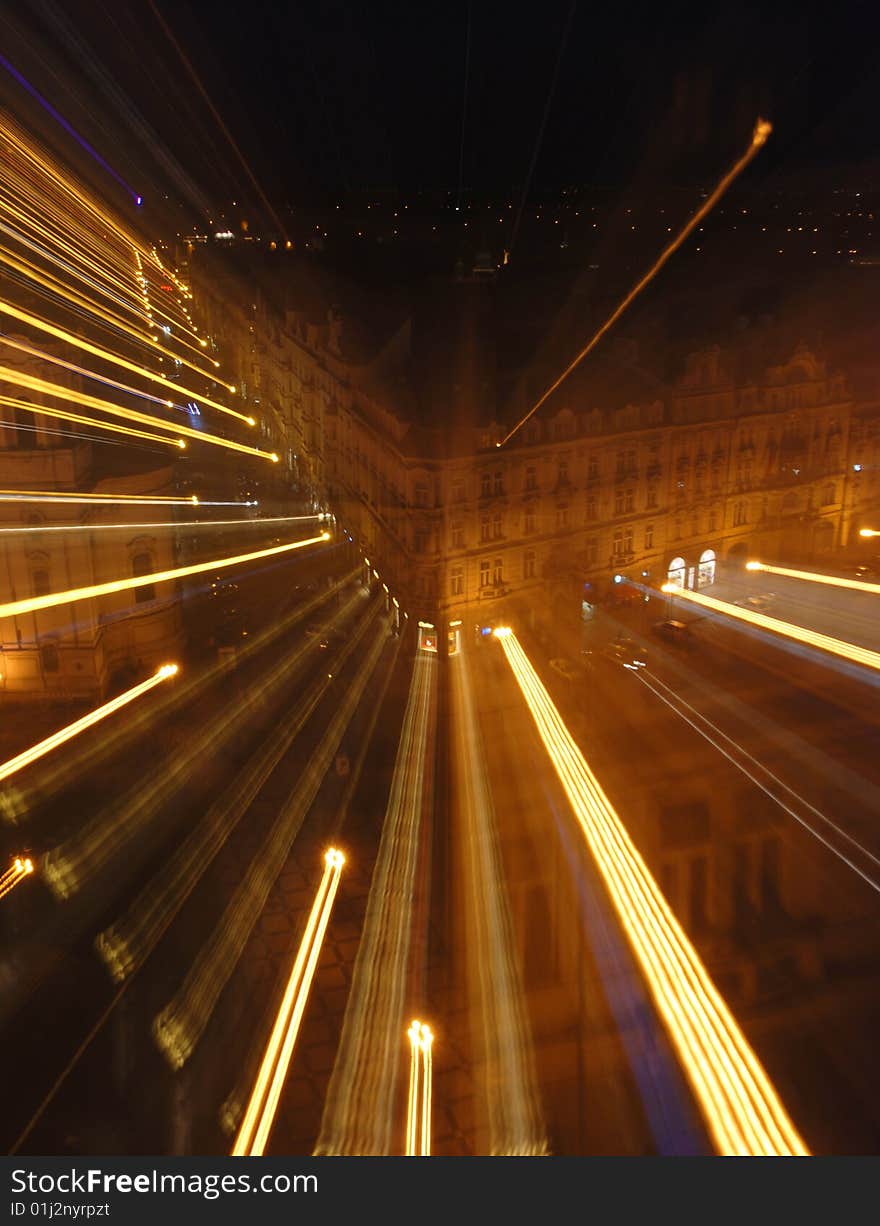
(40, 579)
(142, 564)
(706, 571)
(676, 573)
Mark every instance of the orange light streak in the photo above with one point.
(259, 1115)
(759, 137)
(40, 410)
(836, 647)
(741, 1108)
(31, 603)
(857, 585)
(27, 756)
(22, 867)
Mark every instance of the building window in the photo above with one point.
(713, 521)
(484, 527)
(420, 541)
(618, 502)
(529, 564)
(617, 547)
(49, 658)
(740, 514)
(496, 528)
(531, 478)
(458, 491)
(421, 494)
(458, 536)
(142, 564)
(651, 501)
(485, 485)
(592, 551)
(649, 536)
(562, 476)
(828, 496)
(620, 464)
(561, 517)
(530, 523)
(627, 540)
(484, 573)
(497, 577)
(593, 468)
(457, 581)
(592, 507)
(41, 582)
(629, 501)
(499, 483)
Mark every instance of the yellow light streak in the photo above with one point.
(760, 134)
(85, 372)
(858, 585)
(418, 1112)
(107, 355)
(31, 603)
(136, 499)
(869, 532)
(259, 1115)
(176, 524)
(22, 867)
(39, 410)
(741, 1108)
(32, 383)
(27, 756)
(813, 638)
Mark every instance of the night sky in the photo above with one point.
(338, 95)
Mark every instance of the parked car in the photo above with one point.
(674, 632)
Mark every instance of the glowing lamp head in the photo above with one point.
(325, 536)
(753, 565)
(334, 858)
(168, 670)
(502, 632)
(274, 457)
(669, 587)
(194, 499)
(203, 343)
(867, 532)
(181, 444)
(139, 200)
(232, 388)
(251, 421)
(28, 866)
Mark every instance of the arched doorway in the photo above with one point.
(676, 573)
(706, 570)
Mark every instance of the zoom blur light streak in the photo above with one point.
(141, 500)
(741, 1108)
(812, 638)
(40, 410)
(20, 761)
(14, 607)
(44, 386)
(174, 524)
(107, 355)
(869, 532)
(22, 867)
(858, 585)
(418, 1109)
(263, 1104)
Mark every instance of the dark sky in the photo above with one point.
(355, 93)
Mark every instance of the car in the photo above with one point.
(626, 651)
(758, 603)
(865, 570)
(675, 632)
(565, 668)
